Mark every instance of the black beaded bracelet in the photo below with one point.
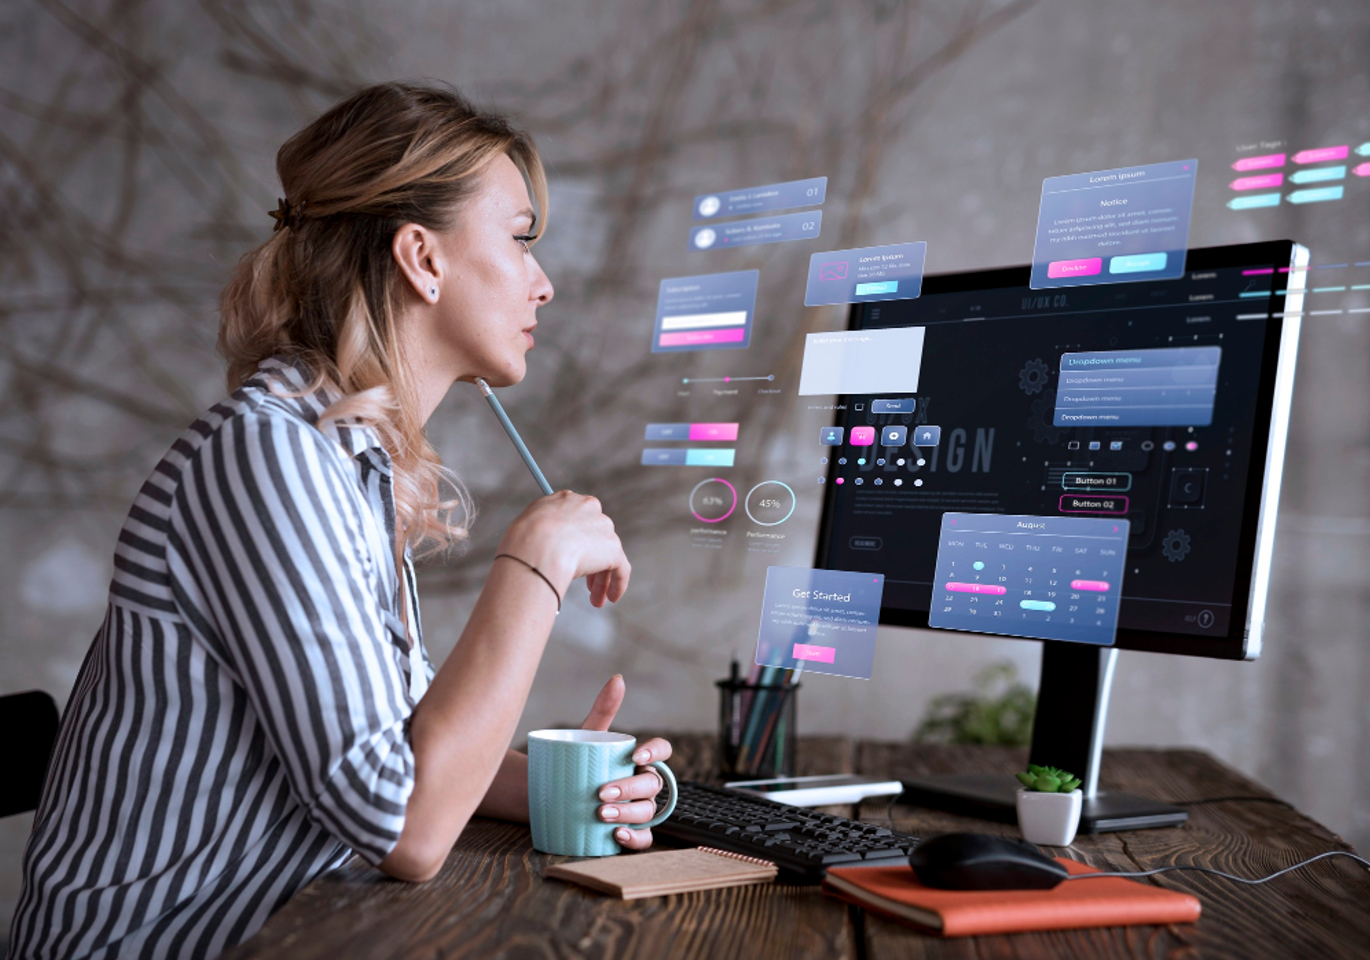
(510, 556)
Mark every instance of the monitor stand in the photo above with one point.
(1068, 732)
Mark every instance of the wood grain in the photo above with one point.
(491, 899)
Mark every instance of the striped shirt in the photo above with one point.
(240, 724)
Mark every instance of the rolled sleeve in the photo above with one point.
(280, 567)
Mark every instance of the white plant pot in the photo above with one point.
(1049, 818)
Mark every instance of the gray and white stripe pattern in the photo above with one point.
(240, 724)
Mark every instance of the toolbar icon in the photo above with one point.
(927, 436)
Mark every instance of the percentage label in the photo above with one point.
(713, 500)
(773, 502)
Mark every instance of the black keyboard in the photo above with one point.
(802, 842)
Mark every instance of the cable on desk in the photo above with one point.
(889, 810)
(1206, 800)
(1225, 876)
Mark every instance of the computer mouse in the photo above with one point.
(975, 861)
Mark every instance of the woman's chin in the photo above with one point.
(507, 375)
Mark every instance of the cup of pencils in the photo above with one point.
(756, 726)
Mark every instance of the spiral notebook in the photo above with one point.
(659, 873)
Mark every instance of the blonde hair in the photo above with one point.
(325, 289)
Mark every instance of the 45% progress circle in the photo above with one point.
(769, 503)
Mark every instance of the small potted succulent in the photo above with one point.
(1049, 803)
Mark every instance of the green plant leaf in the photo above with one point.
(1026, 779)
(1000, 712)
(1069, 785)
(1048, 784)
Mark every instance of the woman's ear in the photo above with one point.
(416, 252)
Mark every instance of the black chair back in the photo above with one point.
(30, 722)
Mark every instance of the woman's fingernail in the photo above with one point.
(642, 756)
(610, 793)
(622, 835)
(610, 813)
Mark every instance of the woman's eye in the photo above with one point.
(523, 241)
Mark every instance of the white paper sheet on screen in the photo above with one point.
(862, 361)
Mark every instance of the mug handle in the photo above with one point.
(669, 779)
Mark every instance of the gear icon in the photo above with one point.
(1043, 410)
(1175, 546)
(1033, 377)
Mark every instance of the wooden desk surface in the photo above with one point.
(490, 899)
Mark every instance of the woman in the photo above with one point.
(258, 705)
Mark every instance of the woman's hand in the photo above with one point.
(567, 536)
(630, 800)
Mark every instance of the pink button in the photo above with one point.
(713, 431)
(807, 651)
(1093, 586)
(990, 588)
(1259, 163)
(862, 436)
(1321, 154)
(1074, 268)
(1262, 182)
(693, 337)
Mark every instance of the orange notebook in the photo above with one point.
(1109, 902)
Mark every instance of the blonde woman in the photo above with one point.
(258, 705)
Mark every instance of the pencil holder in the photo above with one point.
(756, 729)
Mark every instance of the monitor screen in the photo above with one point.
(1150, 402)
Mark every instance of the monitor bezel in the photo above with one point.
(1274, 392)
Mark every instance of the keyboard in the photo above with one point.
(802, 842)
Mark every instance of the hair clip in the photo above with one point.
(286, 215)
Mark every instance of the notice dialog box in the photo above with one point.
(1114, 225)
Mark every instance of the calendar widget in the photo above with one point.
(1048, 578)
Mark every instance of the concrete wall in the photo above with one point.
(136, 146)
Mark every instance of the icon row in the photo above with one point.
(889, 436)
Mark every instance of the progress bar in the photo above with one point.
(723, 379)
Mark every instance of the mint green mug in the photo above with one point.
(566, 769)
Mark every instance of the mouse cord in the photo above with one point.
(1219, 873)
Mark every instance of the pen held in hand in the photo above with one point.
(514, 436)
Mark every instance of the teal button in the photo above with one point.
(716, 457)
(1137, 263)
(1044, 605)
(886, 286)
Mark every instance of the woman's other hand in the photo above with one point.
(630, 800)
(568, 536)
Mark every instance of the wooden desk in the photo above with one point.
(491, 901)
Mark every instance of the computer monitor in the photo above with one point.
(1196, 476)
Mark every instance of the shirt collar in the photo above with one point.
(357, 438)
